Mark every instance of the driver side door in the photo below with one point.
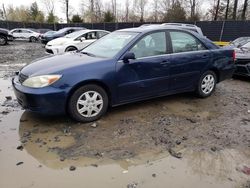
(148, 74)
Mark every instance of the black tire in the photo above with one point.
(202, 92)
(33, 39)
(3, 40)
(70, 49)
(73, 104)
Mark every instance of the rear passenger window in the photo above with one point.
(150, 45)
(184, 42)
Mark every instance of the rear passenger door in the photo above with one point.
(189, 58)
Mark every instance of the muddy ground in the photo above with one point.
(175, 141)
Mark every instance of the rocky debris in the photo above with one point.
(94, 125)
(98, 154)
(20, 148)
(67, 130)
(57, 139)
(175, 154)
(94, 165)
(127, 121)
(72, 168)
(191, 120)
(132, 185)
(5, 112)
(62, 159)
(19, 163)
(178, 142)
(246, 170)
(214, 149)
(153, 175)
(8, 98)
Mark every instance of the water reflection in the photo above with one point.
(48, 139)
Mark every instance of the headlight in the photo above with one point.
(41, 81)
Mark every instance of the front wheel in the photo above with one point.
(207, 84)
(88, 103)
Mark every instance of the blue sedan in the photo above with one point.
(125, 66)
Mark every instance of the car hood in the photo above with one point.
(59, 63)
(59, 41)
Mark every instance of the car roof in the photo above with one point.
(153, 28)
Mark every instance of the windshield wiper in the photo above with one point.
(89, 54)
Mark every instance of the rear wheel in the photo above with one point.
(3, 40)
(33, 39)
(88, 103)
(71, 48)
(207, 84)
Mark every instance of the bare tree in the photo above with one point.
(127, 10)
(49, 5)
(156, 10)
(193, 6)
(66, 8)
(114, 7)
(217, 10)
(243, 15)
(141, 4)
(227, 9)
(235, 9)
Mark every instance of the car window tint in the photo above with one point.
(101, 34)
(150, 45)
(184, 42)
(91, 36)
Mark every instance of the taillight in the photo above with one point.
(234, 55)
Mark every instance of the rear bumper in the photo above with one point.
(49, 100)
(227, 73)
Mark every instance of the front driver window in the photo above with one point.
(184, 42)
(150, 45)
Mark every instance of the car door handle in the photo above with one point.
(164, 62)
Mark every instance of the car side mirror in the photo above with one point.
(82, 39)
(128, 56)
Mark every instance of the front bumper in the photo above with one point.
(242, 67)
(54, 49)
(48, 100)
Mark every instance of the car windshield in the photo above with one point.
(110, 45)
(75, 34)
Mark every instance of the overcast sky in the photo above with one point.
(75, 4)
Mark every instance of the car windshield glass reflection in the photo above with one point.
(110, 45)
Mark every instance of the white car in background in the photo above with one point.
(74, 41)
(22, 33)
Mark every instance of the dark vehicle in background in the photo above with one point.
(60, 33)
(5, 36)
(122, 67)
(242, 55)
(42, 31)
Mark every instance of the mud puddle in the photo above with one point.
(43, 167)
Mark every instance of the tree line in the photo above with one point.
(95, 11)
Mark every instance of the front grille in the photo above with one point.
(22, 77)
(49, 51)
